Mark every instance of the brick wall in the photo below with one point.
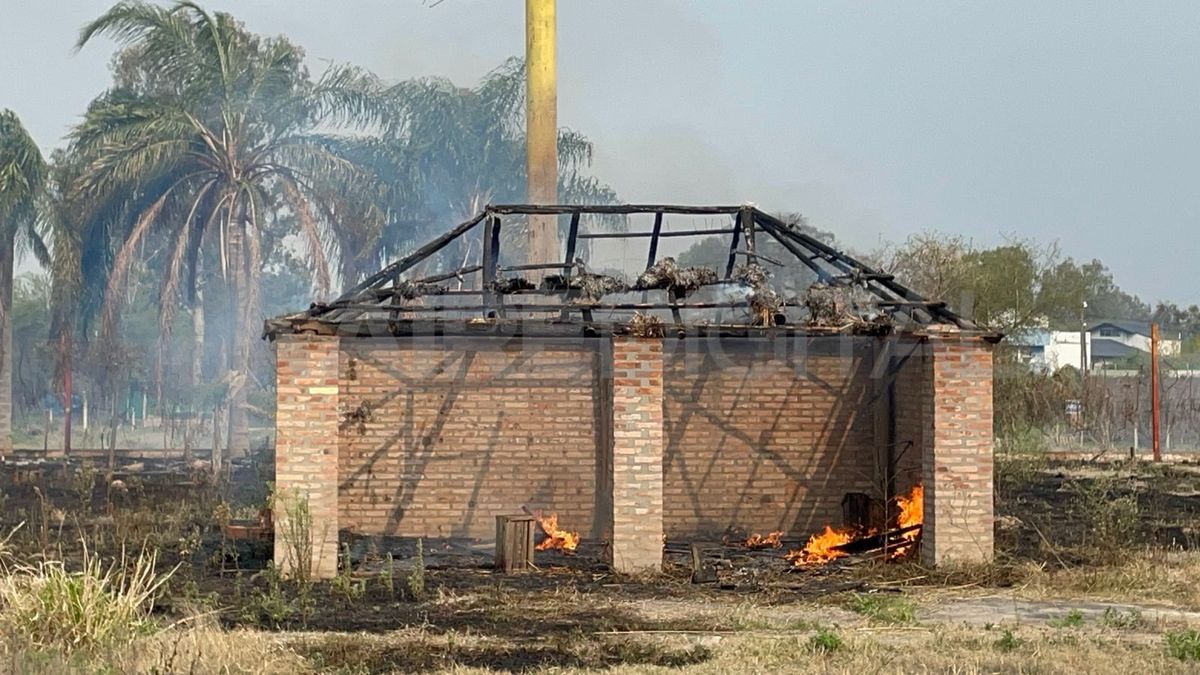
(957, 452)
(637, 453)
(460, 430)
(306, 450)
(438, 435)
(765, 435)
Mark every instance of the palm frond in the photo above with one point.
(314, 242)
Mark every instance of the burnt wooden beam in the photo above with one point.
(572, 242)
(537, 266)
(733, 247)
(382, 294)
(932, 304)
(491, 253)
(652, 257)
(611, 209)
(746, 222)
(569, 258)
(827, 340)
(395, 300)
(794, 249)
(462, 271)
(522, 307)
(867, 277)
(890, 539)
(550, 329)
(668, 233)
(402, 265)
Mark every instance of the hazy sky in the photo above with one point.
(1070, 121)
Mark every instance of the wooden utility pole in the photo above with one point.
(1154, 386)
(541, 120)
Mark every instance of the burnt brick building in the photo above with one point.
(688, 404)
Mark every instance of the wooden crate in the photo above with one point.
(514, 543)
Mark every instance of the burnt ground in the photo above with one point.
(564, 614)
(1049, 511)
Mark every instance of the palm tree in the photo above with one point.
(225, 135)
(22, 180)
(447, 150)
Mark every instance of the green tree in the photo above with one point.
(1073, 284)
(214, 137)
(22, 184)
(1006, 287)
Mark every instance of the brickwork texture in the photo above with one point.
(637, 454)
(439, 437)
(763, 438)
(306, 452)
(957, 452)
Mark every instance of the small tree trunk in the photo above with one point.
(6, 361)
(198, 339)
(236, 421)
(68, 395)
(216, 459)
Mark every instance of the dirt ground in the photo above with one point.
(1094, 572)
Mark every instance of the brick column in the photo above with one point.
(306, 451)
(957, 453)
(637, 454)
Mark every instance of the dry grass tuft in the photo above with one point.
(1167, 577)
(46, 606)
(198, 647)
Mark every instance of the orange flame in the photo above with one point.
(555, 538)
(912, 512)
(770, 541)
(821, 547)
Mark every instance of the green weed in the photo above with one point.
(1184, 645)
(1008, 641)
(884, 608)
(1073, 619)
(825, 642)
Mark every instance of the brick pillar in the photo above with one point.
(957, 453)
(637, 454)
(306, 451)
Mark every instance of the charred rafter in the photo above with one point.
(387, 296)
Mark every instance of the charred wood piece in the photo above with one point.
(511, 285)
(844, 307)
(765, 304)
(646, 326)
(591, 287)
(890, 540)
(667, 274)
(411, 290)
(702, 572)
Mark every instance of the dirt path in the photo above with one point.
(1007, 609)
